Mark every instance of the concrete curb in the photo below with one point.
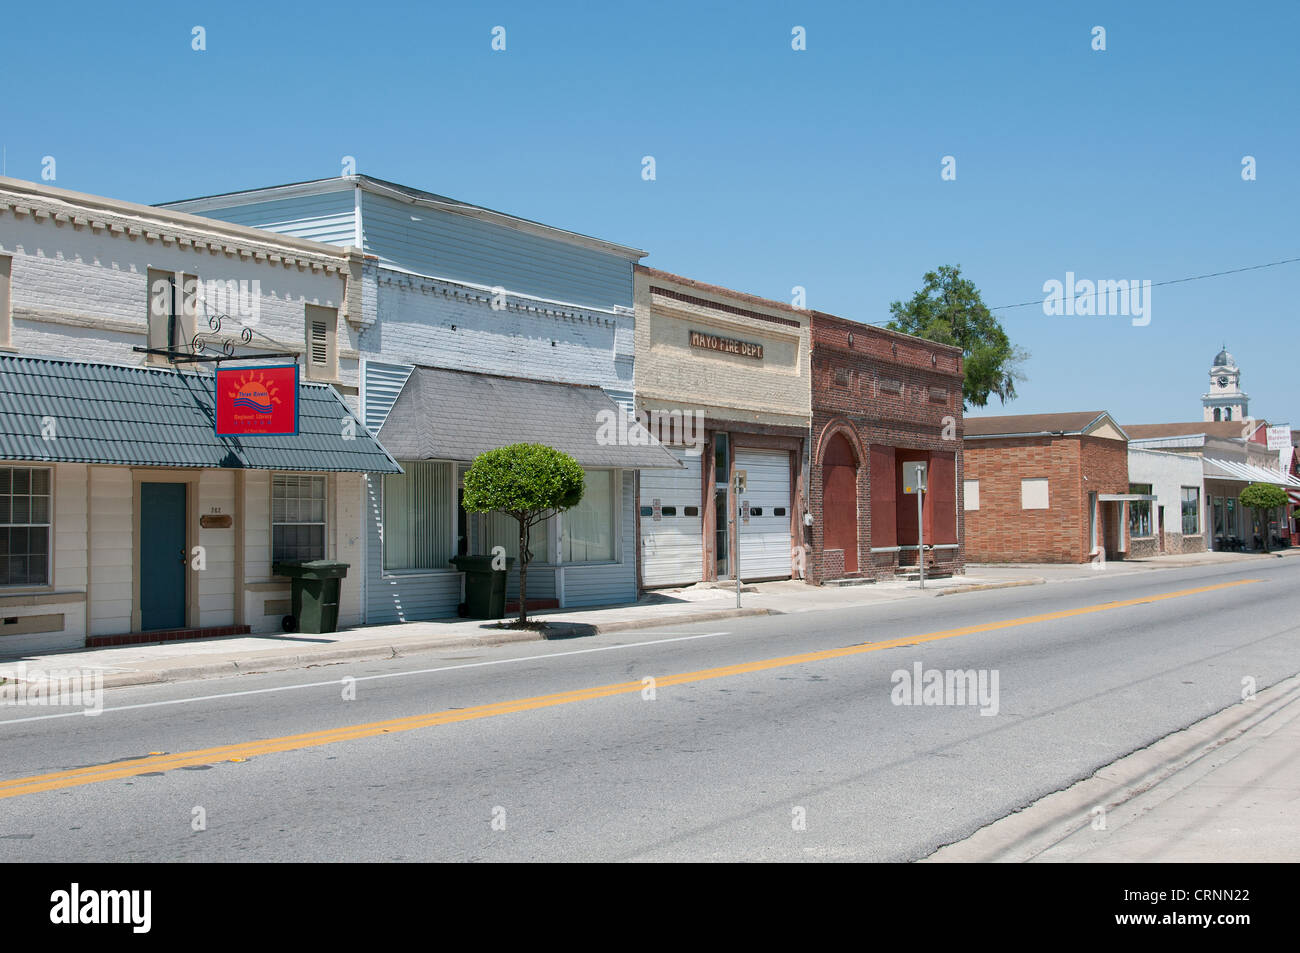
(387, 649)
(981, 587)
(1022, 836)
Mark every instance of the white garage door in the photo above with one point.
(672, 547)
(765, 539)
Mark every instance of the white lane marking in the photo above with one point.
(362, 678)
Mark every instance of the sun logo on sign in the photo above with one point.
(253, 393)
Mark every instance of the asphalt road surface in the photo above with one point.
(762, 738)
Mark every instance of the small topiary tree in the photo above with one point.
(528, 481)
(1259, 497)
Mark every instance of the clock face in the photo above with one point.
(1223, 382)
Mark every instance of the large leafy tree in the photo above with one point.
(949, 310)
(1259, 497)
(528, 481)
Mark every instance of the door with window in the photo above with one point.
(163, 556)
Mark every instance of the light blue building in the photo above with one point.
(441, 284)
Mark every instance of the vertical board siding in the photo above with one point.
(447, 245)
(111, 551)
(216, 583)
(349, 545)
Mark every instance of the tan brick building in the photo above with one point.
(722, 378)
(1046, 488)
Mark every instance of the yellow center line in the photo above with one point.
(243, 750)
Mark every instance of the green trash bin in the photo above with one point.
(316, 586)
(485, 587)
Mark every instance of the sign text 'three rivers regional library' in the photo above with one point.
(257, 401)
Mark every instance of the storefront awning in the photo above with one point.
(446, 414)
(1246, 473)
(55, 411)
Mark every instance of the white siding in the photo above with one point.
(216, 582)
(432, 242)
(328, 218)
(68, 548)
(112, 535)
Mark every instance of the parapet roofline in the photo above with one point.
(69, 203)
(403, 193)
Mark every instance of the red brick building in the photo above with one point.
(880, 399)
(1045, 487)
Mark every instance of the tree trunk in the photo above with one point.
(523, 572)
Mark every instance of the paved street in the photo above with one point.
(762, 738)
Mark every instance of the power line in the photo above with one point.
(1157, 284)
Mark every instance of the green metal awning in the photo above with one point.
(55, 411)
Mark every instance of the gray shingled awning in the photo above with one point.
(159, 417)
(445, 414)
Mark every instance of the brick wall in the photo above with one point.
(886, 389)
(1002, 530)
(81, 292)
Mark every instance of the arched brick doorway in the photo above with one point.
(840, 500)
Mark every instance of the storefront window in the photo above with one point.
(1191, 510)
(297, 517)
(500, 529)
(1139, 511)
(418, 516)
(24, 526)
(589, 526)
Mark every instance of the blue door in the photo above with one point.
(162, 556)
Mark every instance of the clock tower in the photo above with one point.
(1225, 400)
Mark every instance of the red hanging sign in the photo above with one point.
(257, 401)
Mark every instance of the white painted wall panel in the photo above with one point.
(672, 548)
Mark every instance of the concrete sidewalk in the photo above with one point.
(180, 661)
(1052, 572)
(1224, 789)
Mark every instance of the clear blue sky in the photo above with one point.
(775, 168)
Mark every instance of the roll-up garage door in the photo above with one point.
(672, 547)
(765, 539)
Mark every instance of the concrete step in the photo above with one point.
(849, 581)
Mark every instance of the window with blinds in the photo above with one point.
(499, 529)
(589, 527)
(419, 514)
(297, 516)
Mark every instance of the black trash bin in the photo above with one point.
(316, 586)
(485, 587)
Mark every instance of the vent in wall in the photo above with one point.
(320, 343)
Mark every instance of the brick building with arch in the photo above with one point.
(881, 399)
